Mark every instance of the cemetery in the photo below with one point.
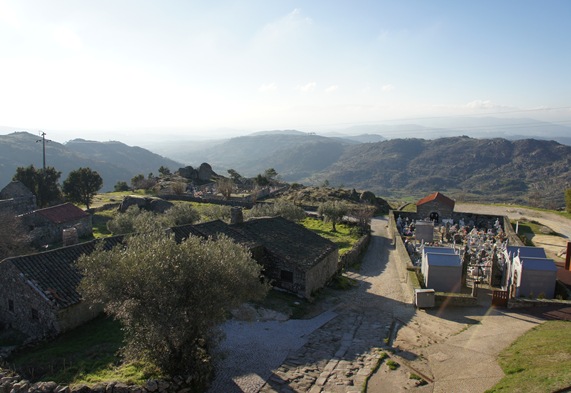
(457, 252)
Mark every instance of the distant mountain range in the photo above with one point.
(114, 161)
(526, 171)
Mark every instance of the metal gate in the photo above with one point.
(500, 298)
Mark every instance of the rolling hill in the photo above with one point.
(529, 171)
(114, 161)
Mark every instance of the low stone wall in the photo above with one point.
(455, 299)
(404, 265)
(355, 254)
(14, 383)
(215, 201)
(525, 303)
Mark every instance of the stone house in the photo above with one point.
(293, 257)
(16, 198)
(47, 225)
(435, 207)
(296, 259)
(38, 292)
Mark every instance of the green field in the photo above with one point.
(345, 236)
(88, 354)
(538, 361)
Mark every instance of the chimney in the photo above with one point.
(568, 257)
(236, 216)
(70, 236)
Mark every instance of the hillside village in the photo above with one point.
(443, 257)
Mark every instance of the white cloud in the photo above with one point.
(331, 89)
(268, 87)
(387, 88)
(308, 88)
(67, 38)
(284, 27)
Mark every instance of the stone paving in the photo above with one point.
(343, 353)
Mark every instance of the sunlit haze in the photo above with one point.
(126, 69)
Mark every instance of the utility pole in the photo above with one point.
(43, 140)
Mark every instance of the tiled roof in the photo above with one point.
(212, 229)
(287, 240)
(61, 213)
(437, 197)
(14, 189)
(54, 272)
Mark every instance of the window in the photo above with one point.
(35, 315)
(286, 276)
(10, 305)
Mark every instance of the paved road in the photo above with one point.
(337, 351)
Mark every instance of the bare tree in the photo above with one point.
(225, 187)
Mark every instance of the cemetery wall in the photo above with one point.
(455, 299)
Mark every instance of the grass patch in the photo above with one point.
(345, 238)
(100, 220)
(392, 365)
(538, 361)
(342, 282)
(87, 354)
(378, 363)
(413, 277)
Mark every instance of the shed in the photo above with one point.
(442, 271)
(435, 207)
(46, 225)
(534, 276)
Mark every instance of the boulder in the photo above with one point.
(156, 205)
(205, 172)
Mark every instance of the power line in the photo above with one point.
(43, 140)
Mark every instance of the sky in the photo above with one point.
(96, 69)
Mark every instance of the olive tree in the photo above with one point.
(225, 186)
(135, 219)
(333, 212)
(281, 207)
(169, 296)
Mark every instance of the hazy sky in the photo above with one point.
(101, 65)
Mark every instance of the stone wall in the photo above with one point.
(455, 299)
(11, 382)
(404, 265)
(46, 232)
(19, 205)
(320, 274)
(424, 210)
(17, 300)
(354, 255)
